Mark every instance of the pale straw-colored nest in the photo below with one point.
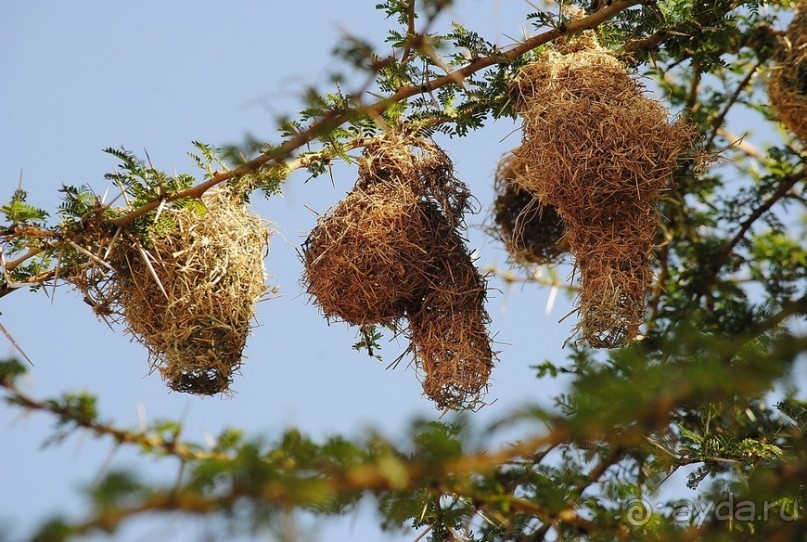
(787, 79)
(188, 292)
(602, 153)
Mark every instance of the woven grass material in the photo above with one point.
(190, 296)
(448, 332)
(364, 260)
(531, 232)
(391, 251)
(787, 80)
(601, 152)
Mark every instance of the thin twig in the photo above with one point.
(717, 122)
(175, 448)
(411, 35)
(741, 144)
(510, 277)
(780, 192)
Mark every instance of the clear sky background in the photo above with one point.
(84, 75)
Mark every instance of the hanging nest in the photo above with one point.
(601, 152)
(391, 249)
(364, 259)
(190, 295)
(532, 233)
(448, 332)
(787, 82)
(421, 165)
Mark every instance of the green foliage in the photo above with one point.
(547, 368)
(369, 341)
(73, 410)
(55, 529)
(19, 212)
(116, 489)
(144, 183)
(209, 158)
(10, 370)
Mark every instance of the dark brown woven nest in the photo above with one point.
(420, 164)
(364, 261)
(391, 250)
(787, 80)
(367, 260)
(531, 232)
(190, 295)
(449, 336)
(601, 152)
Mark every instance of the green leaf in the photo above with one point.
(18, 211)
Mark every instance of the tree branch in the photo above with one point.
(717, 122)
(780, 192)
(535, 277)
(335, 118)
(681, 29)
(175, 448)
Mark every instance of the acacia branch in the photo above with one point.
(32, 232)
(741, 144)
(681, 29)
(336, 117)
(780, 192)
(411, 35)
(290, 487)
(337, 482)
(717, 122)
(6, 289)
(535, 277)
(175, 448)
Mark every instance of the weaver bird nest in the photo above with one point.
(448, 331)
(600, 152)
(787, 81)
(391, 251)
(532, 233)
(189, 293)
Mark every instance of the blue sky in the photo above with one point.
(81, 76)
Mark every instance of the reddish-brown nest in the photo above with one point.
(364, 260)
(448, 331)
(531, 232)
(601, 152)
(391, 250)
(787, 80)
